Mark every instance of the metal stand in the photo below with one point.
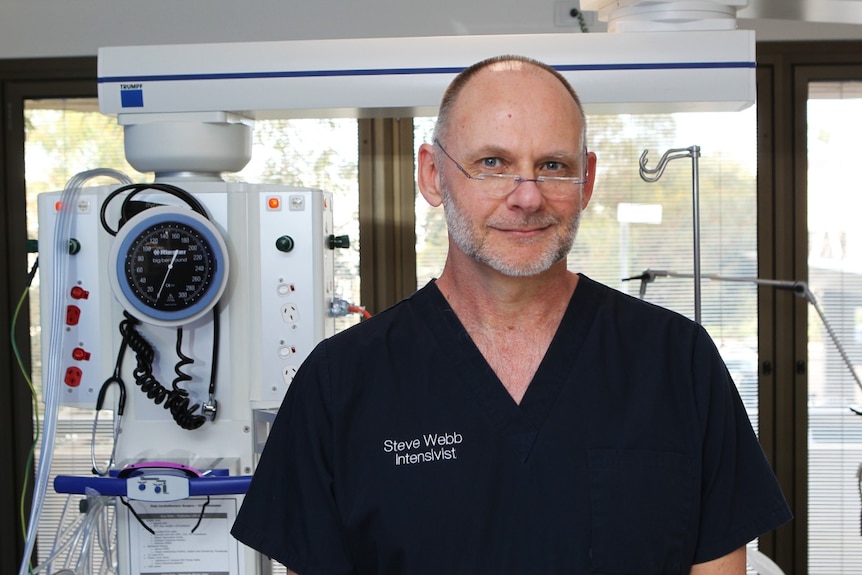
(652, 175)
(798, 287)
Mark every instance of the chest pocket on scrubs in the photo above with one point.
(641, 506)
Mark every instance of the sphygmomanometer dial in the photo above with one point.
(169, 265)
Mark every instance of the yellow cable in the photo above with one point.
(34, 395)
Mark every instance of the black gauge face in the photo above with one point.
(170, 266)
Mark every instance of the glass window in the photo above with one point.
(431, 240)
(835, 280)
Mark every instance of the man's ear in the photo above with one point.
(428, 175)
(591, 179)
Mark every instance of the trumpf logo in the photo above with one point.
(132, 95)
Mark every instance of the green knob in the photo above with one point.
(284, 244)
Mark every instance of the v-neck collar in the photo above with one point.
(519, 423)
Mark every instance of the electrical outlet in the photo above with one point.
(73, 377)
(288, 373)
(290, 313)
(73, 315)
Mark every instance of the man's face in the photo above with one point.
(523, 118)
(533, 254)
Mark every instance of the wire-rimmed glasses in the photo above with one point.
(503, 184)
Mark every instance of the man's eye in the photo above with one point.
(492, 163)
(554, 167)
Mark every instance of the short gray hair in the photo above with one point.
(450, 96)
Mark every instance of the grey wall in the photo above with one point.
(37, 28)
(46, 28)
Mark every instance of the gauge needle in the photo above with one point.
(167, 273)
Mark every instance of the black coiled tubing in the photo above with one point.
(184, 360)
(175, 400)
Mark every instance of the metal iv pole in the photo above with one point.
(799, 288)
(652, 175)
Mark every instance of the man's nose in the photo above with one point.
(526, 194)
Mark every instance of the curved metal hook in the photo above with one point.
(653, 174)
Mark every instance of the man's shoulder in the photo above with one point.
(628, 308)
(403, 315)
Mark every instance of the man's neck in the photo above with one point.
(488, 298)
(511, 320)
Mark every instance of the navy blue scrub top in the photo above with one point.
(398, 450)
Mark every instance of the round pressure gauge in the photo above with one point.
(168, 266)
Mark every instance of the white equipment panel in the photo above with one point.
(87, 353)
(275, 308)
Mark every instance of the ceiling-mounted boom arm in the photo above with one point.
(172, 85)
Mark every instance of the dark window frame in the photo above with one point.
(784, 72)
(20, 80)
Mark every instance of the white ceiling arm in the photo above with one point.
(649, 72)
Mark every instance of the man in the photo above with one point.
(511, 416)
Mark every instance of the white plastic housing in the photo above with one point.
(647, 72)
(666, 16)
(209, 143)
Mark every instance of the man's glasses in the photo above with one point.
(501, 184)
